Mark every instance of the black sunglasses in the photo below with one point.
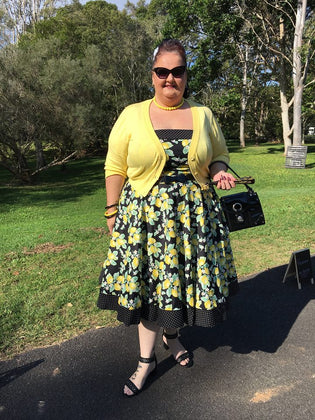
(163, 73)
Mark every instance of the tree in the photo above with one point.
(280, 30)
(254, 38)
(249, 60)
(300, 67)
(32, 118)
(16, 16)
(63, 85)
(216, 40)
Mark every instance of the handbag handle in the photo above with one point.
(241, 180)
(248, 188)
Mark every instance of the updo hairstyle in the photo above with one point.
(170, 45)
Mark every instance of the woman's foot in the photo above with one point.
(180, 354)
(135, 383)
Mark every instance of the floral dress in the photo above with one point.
(169, 258)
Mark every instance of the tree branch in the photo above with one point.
(307, 61)
(282, 10)
(291, 102)
(291, 130)
(54, 163)
(264, 43)
(309, 83)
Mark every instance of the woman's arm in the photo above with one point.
(218, 173)
(114, 184)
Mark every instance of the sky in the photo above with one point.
(119, 3)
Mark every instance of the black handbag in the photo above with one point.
(242, 210)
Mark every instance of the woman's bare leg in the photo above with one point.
(148, 332)
(175, 345)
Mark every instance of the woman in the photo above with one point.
(169, 261)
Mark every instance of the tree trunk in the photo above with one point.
(259, 121)
(244, 99)
(297, 116)
(298, 78)
(22, 170)
(285, 106)
(40, 159)
(286, 131)
(242, 126)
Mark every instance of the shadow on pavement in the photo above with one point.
(260, 316)
(11, 375)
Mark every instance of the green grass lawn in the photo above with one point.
(54, 240)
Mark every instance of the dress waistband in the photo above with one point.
(167, 179)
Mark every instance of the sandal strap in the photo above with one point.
(183, 357)
(132, 387)
(170, 336)
(147, 359)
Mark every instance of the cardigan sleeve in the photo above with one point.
(220, 151)
(116, 159)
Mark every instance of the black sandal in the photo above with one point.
(187, 355)
(131, 385)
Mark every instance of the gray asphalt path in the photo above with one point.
(260, 364)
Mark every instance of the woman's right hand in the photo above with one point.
(110, 224)
(114, 184)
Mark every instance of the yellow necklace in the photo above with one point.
(168, 108)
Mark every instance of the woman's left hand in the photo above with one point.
(225, 180)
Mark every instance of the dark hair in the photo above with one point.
(170, 45)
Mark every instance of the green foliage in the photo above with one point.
(77, 26)
(66, 82)
(205, 27)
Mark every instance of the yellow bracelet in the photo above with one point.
(109, 215)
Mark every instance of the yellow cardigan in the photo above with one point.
(136, 153)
